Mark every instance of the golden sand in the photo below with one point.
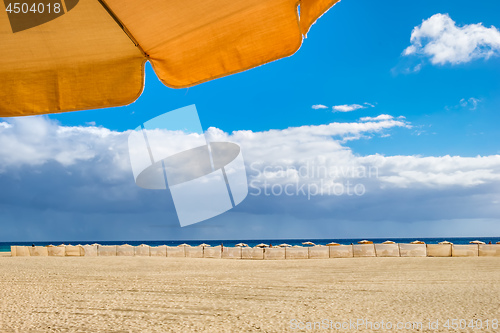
(147, 294)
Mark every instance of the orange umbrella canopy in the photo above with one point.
(91, 53)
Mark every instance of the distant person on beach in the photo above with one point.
(33, 245)
(489, 242)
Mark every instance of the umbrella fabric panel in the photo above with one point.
(192, 41)
(93, 55)
(79, 60)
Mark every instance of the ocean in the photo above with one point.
(5, 246)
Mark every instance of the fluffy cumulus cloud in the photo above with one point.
(444, 42)
(63, 182)
(33, 141)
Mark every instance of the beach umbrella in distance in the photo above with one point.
(417, 242)
(80, 55)
(284, 245)
(187, 245)
(332, 244)
(364, 241)
(261, 245)
(476, 242)
(445, 243)
(296, 246)
(308, 243)
(389, 242)
(203, 245)
(241, 245)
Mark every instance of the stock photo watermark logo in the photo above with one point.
(27, 14)
(205, 178)
(310, 180)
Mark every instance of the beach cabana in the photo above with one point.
(284, 245)
(417, 242)
(364, 241)
(142, 250)
(90, 250)
(241, 245)
(332, 244)
(261, 245)
(445, 243)
(125, 250)
(476, 242)
(308, 243)
(56, 251)
(389, 242)
(74, 251)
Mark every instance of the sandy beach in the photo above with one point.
(147, 294)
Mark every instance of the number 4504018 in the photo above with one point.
(40, 8)
(460, 324)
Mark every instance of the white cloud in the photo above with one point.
(436, 172)
(344, 107)
(471, 103)
(377, 118)
(86, 170)
(348, 107)
(440, 39)
(293, 148)
(34, 141)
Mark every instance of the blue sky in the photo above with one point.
(441, 101)
(352, 55)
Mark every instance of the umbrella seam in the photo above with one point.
(213, 77)
(122, 26)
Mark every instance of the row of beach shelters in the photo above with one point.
(265, 251)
